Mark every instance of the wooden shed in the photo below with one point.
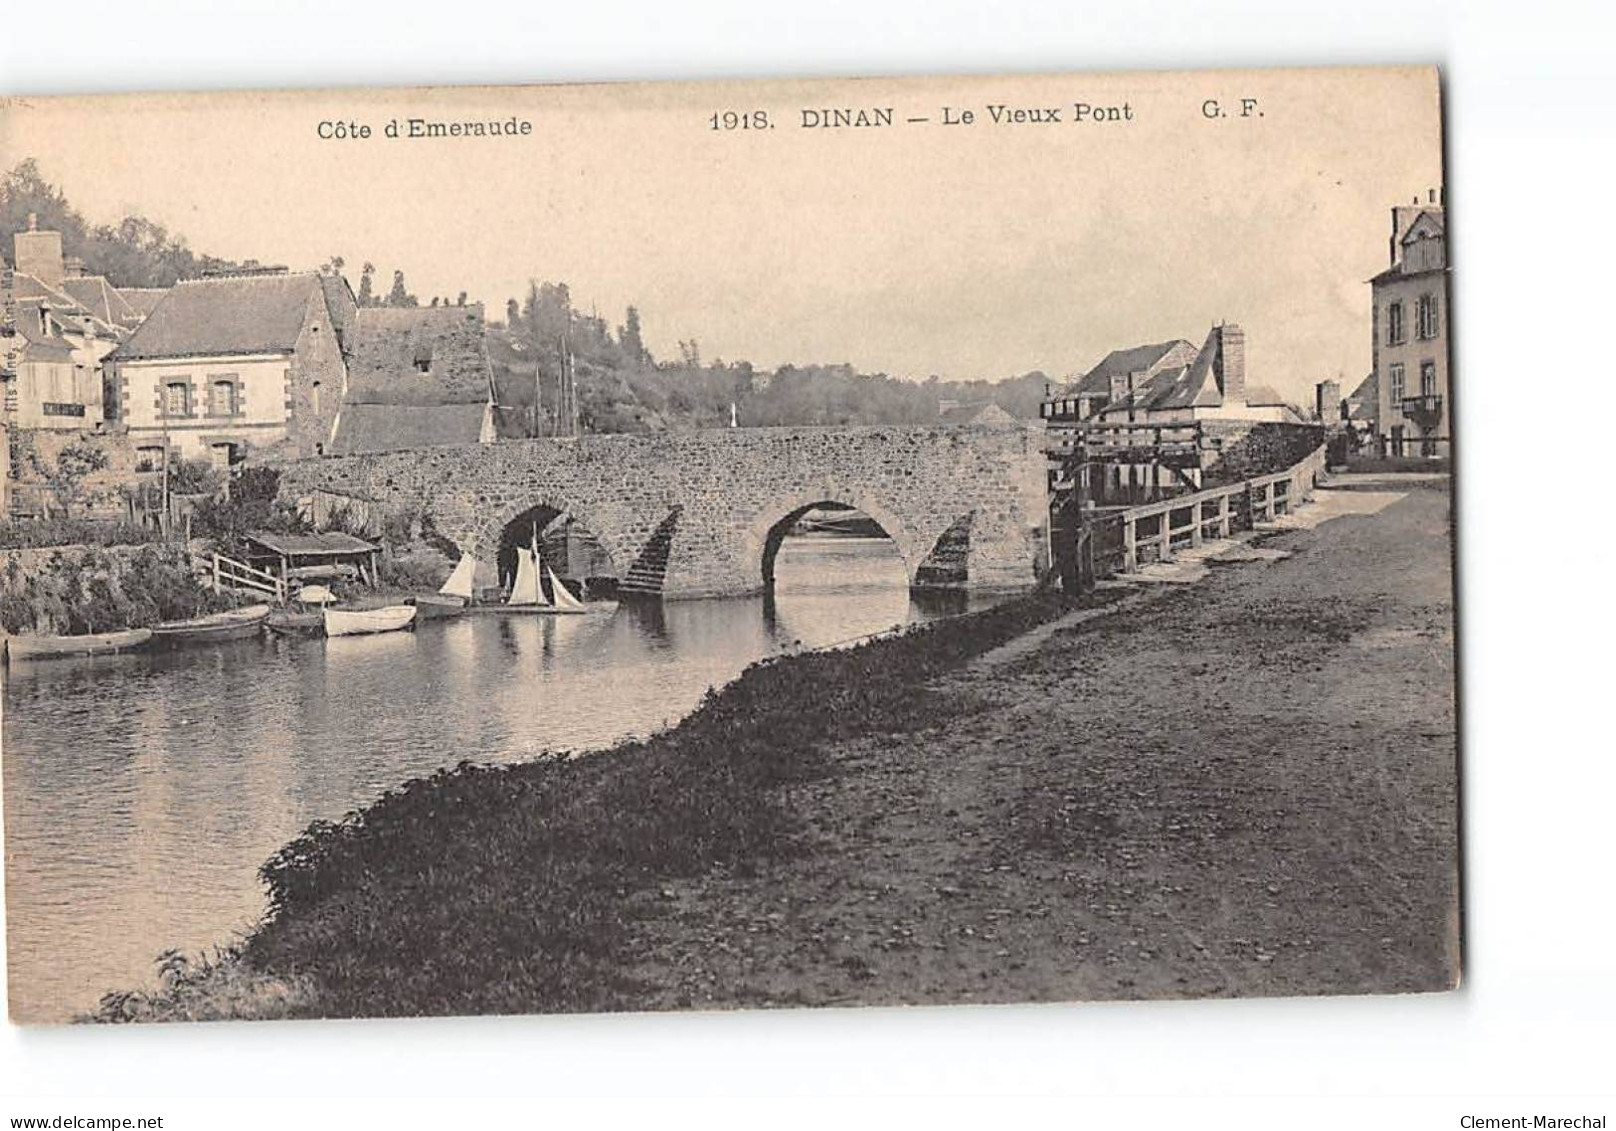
(313, 557)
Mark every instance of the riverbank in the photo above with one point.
(1246, 786)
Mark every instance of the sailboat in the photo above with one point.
(527, 592)
(453, 596)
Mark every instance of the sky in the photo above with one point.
(964, 250)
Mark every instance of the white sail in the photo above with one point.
(527, 590)
(563, 598)
(460, 581)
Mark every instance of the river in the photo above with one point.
(142, 792)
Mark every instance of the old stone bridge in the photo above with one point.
(700, 514)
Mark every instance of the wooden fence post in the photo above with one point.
(1224, 528)
(1130, 545)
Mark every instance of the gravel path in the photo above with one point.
(1242, 786)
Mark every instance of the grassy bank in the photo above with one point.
(517, 888)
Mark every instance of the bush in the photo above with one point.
(58, 531)
(92, 590)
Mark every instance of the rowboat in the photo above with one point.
(289, 623)
(234, 624)
(360, 622)
(88, 644)
(435, 606)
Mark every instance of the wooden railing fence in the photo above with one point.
(1124, 538)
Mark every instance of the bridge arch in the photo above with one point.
(763, 536)
(495, 533)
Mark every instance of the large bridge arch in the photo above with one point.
(764, 533)
(690, 514)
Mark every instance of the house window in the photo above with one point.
(423, 363)
(148, 459)
(1427, 378)
(1397, 384)
(177, 398)
(1396, 332)
(1425, 316)
(224, 397)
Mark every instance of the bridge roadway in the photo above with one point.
(701, 514)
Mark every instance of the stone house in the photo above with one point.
(417, 377)
(1410, 336)
(1166, 383)
(57, 330)
(227, 366)
(1169, 383)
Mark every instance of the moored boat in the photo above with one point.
(288, 622)
(86, 644)
(234, 624)
(435, 606)
(360, 622)
(528, 590)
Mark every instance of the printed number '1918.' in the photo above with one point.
(741, 120)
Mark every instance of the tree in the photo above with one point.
(332, 266)
(135, 252)
(399, 295)
(461, 301)
(630, 338)
(367, 292)
(74, 464)
(513, 314)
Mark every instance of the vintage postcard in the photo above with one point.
(727, 545)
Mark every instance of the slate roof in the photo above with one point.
(1121, 363)
(392, 427)
(25, 287)
(142, 300)
(327, 544)
(1394, 273)
(235, 314)
(1364, 401)
(101, 299)
(39, 345)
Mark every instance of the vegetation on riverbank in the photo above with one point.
(516, 888)
(91, 589)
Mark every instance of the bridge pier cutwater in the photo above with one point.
(700, 514)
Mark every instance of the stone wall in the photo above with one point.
(707, 504)
(32, 457)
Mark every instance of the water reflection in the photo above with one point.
(143, 791)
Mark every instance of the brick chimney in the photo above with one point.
(1327, 401)
(1119, 386)
(1229, 362)
(40, 253)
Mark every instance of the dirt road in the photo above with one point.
(1244, 786)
